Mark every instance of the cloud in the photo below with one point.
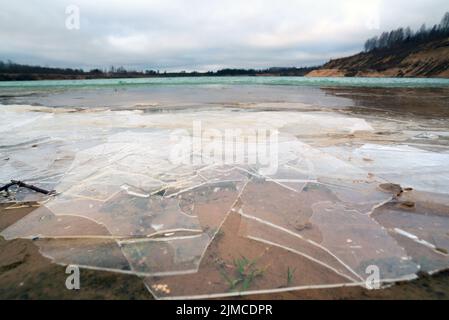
(195, 34)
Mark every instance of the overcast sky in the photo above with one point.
(200, 34)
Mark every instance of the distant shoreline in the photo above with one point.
(317, 73)
(16, 72)
(59, 77)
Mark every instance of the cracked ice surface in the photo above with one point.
(216, 229)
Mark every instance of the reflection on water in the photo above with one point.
(170, 96)
(401, 102)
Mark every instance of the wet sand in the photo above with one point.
(26, 274)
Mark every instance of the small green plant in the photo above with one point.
(245, 273)
(290, 275)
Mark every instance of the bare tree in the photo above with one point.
(444, 24)
(401, 35)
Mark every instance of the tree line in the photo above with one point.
(15, 71)
(400, 36)
(11, 67)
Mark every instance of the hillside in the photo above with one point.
(429, 59)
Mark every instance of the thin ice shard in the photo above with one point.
(359, 242)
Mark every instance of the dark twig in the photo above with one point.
(21, 184)
(7, 186)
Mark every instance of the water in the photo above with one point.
(284, 81)
(426, 97)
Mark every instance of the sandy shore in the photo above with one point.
(26, 274)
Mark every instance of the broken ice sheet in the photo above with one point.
(354, 186)
(15, 116)
(130, 162)
(359, 242)
(223, 174)
(264, 232)
(291, 177)
(323, 164)
(176, 187)
(43, 223)
(420, 226)
(43, 162)
(285, 208)
(165, 256)
(126, 215)
(402, 164)
(317, 215)
(171, 254)
(90, 253)
(324, 123)
(361, 195)
(211, 203)
(107, 183)
(235, 265)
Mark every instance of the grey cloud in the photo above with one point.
(197, 34)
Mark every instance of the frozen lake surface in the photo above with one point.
(233, 186)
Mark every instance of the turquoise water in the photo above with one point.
(285, 81)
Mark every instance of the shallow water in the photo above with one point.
(244, 80)
(323, 211)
